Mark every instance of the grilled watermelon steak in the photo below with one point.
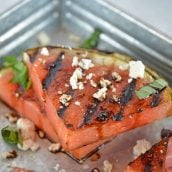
(90, 95)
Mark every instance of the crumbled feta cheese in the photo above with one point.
(27, 132)
(136, 69)
(41, 134)
(66, 85)
(44, 51)
(77, 103)
(40, 60)
(63, 56)
(35, 146)
(9, 154)
(113, 89)
(100, 94)
(26, 129)
(107, 166)
(77, 74)
(60, 92)
(80, 85)
(75, 61)
(116, 76)
(89, 76)
(54, 148)
(26, 144)
(141, 147)
(86, 167)
(93, 84)
(104, 82)
(61, 107)
(56, 167)
(70, 48)
(115, 98)
(44, 61)
(86, 64)
(64, 99)
(17, 94)
(130, 80)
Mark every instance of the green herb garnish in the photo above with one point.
(10, 135)
(20, 71)
(92, 41)
(159, 84)
(151, 88)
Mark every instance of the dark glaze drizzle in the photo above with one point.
(52, 71)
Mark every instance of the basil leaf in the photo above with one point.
(20, 71)
(151, 88)
(9, 61)
(10, 135)
(92, 41)
(145, 92)
(159, 84)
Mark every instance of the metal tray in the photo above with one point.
(68, 22)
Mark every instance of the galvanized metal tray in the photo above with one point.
(68, 22)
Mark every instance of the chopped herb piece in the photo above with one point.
(92, 41)
(159, 84)
(10, 135)
(20, 71)
(151, 88)
(9, 61)
(145, 92)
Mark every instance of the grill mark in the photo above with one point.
(127, 95)
(52, 71)
(91, 109)
(156, 98)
